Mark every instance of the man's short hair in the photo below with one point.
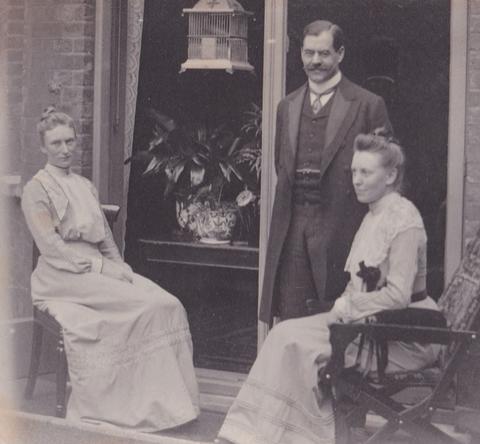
(319, 26)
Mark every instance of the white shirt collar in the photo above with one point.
(317, 89)
(320, 88)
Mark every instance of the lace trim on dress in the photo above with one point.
(377, 231)
(106, 356)
(55, 193)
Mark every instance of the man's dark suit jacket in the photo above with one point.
(354, 111)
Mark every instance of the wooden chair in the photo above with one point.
(354, 394)
(43, 321)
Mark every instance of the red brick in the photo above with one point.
(14, 97)
(473, 115)
(85, 141)
(472, 211)
(46, 29)
(16, 14)
(474, 7)
(14, 69)
(84, 45)
(15, 83)
(32, 154)
(63, 45)
(72, 94)
(77, 2)
(42, 12)
(14, 56)
(67, 13)
(474, 23)
(474, 40)
(473, 176)
(15, 28)
(63, 77)
(84, 127)
(84, 78)
(474, 60)
(474, 81)
(73, 61)
(14, 42)
(80, 110)
(78, 29)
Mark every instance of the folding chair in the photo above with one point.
(44, 321)
(354, 394)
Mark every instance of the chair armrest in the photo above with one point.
(341, 335)
(111, 213)
(404, 333)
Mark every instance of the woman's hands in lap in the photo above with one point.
(115, 270)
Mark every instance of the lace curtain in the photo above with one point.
(134, 43)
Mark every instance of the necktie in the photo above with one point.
(317, 104)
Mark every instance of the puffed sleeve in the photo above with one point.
(396, 294)
(54, 250)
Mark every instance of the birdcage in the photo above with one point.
(217, 36)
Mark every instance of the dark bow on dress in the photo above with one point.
(369, 275)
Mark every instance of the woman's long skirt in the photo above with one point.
(279, 403)
(128, 348)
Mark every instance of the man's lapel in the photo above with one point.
(294, 115)
(342, 115)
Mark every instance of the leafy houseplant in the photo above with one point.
(250, 155)
(199, 166)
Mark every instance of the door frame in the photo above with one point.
(110, 37)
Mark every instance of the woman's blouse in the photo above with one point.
(66, 221)
(392, 238)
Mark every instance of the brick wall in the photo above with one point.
(13, 13)
(472, 148)
(59, 71)
(48, 47)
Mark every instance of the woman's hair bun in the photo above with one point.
(47, 111)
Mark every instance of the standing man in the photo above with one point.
(315, 212)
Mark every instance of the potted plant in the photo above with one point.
(198, 166)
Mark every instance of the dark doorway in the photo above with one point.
(399, 49)
(221, 300)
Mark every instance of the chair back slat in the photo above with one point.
(460, 301)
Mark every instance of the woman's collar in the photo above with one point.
(57, 171)
(383, 202)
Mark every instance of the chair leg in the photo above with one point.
(37, 339)
(342, 425)
(61, 376)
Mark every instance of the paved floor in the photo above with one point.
(43, 403)
(204, 429)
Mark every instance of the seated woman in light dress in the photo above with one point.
(127, 340)
(277, 404)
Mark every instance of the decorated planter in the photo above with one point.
(185, 212)
(215, 225)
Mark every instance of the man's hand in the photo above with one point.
(122, 272)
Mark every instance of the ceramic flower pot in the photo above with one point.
(185, 212)
(215, 226)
